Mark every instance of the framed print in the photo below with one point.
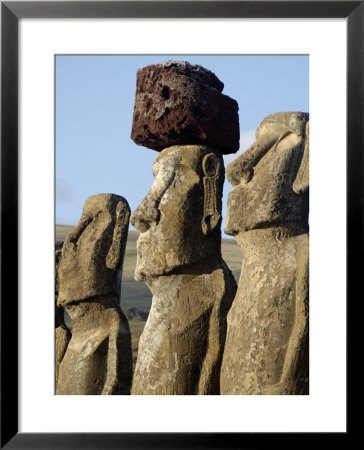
(32, 33)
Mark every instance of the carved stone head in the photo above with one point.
(93, 252)
(271, 179)
(180, 217)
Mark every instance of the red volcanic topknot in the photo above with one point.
(178, 103)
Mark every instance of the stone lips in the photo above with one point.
(181, 104)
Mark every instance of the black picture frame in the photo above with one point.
(11, 12)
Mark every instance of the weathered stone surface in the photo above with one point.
(93, 252)
(62, 332)
(178, 103)
(264, 177)
(179, 258)
(266, 349)
(98, 359)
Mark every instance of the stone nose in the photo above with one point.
(146, 214)
(242, 169)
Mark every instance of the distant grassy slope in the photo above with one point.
(133, 293)
(62, 231)
(232, 256)
(136, 329)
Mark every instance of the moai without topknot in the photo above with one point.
(98, 358)
(266, 350)
(180, 110)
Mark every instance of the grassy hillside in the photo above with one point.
(136, 329)
(62, 231)
(136, 298)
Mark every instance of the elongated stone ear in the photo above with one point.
(301, 182)
(211, 215)
(116, 252)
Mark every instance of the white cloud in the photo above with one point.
(63, 192)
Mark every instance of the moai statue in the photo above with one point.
(266, 350)
(179, 248)
(62, 332)
(98, 359)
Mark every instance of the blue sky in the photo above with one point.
(94, 109)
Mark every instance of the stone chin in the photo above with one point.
(154, 259)
(235, 218)
(151, 262)
(147, 274)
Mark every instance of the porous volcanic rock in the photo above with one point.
(178, 103)
(93, 252)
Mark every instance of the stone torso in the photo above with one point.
(182, 344)
(268, 321)
(98, 357)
